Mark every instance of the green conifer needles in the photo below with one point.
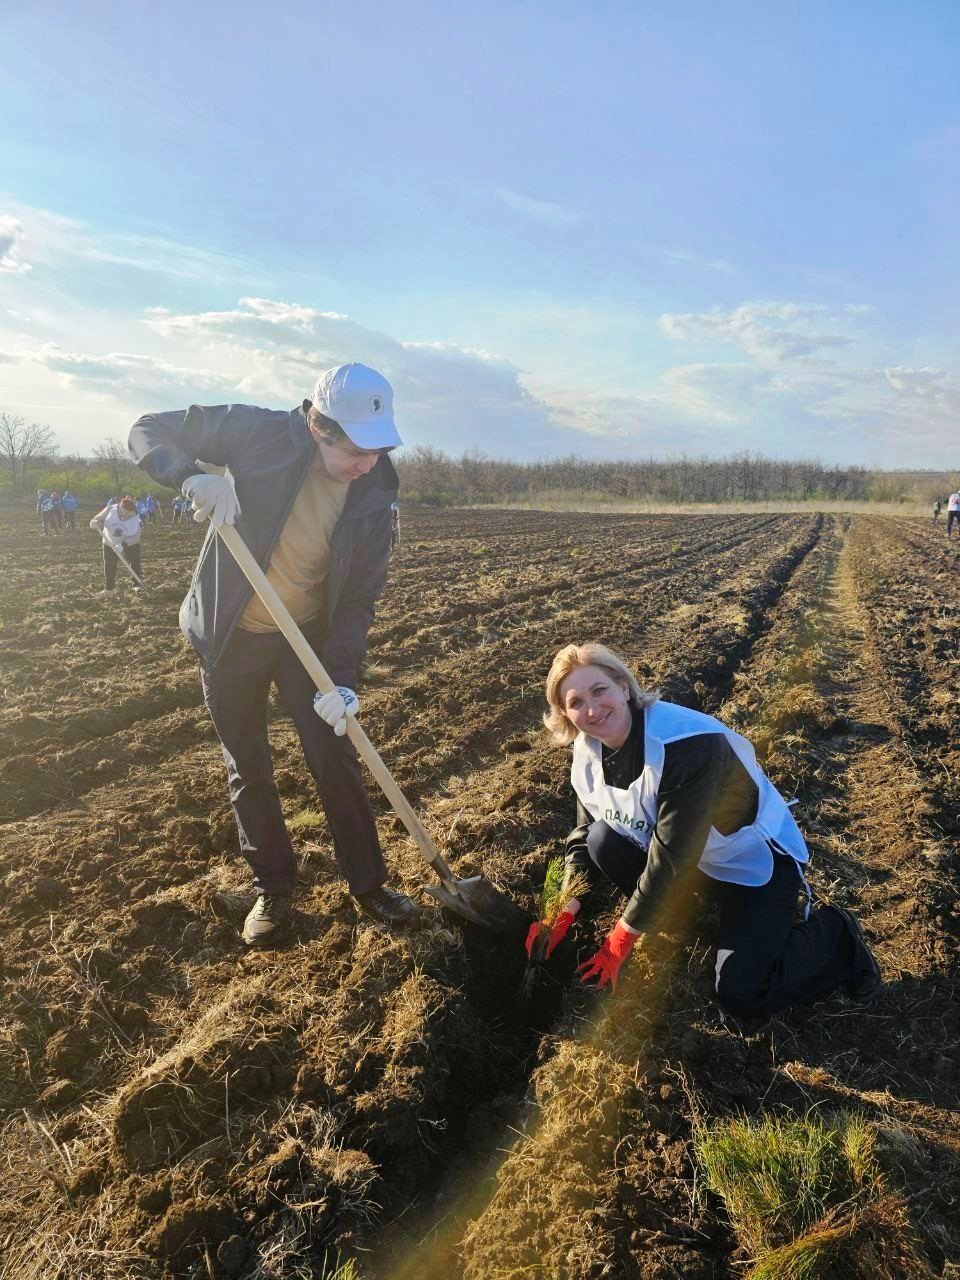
(558, 889)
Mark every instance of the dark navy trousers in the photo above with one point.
(236, 692)
(111, 564)
(774, 961)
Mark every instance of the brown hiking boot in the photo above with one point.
(390, 908)
(867, 980)
(268, 921)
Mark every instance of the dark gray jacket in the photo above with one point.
(268, 452)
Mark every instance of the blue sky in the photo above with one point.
(612, 229)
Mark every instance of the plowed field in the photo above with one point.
(395, 1106)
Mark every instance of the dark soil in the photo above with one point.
(178, 1107)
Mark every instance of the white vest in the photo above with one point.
(746, 856)
(124, 529)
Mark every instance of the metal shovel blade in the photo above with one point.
(477, 900)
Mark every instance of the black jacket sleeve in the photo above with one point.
(576, 860)
(691, 786)
(169, 446)
(346, 644)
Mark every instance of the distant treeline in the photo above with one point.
(91, 480)
(432, 478)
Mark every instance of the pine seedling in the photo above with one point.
(557, 891)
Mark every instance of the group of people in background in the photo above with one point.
(120, 523)
(148, 509)
(182, 510)
(57, 511)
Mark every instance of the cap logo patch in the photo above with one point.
(376, 404)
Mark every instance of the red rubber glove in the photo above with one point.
(604, 966)
(557, 934)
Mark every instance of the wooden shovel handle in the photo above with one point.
(365, 748)
(122, 558)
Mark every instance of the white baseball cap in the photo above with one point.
(359, 400)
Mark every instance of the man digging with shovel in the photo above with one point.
(311, 493)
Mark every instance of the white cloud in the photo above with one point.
(11, 236)
(929, 390)
(56, 239)
(915, 382)
(796, 379)
(266, 320)
(724, 393)
(687, 257)
(769, 331)
(121, 374)
(268, 352)
(542, 211)
(451, 396)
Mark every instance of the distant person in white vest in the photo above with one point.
(45, 511)
(120, 526)
(953, 513)
(671, 801)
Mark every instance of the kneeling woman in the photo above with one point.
(663, 791)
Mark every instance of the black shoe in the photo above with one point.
(268, 921)
(867, 979)
(390, 908)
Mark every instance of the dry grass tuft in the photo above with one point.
(306, 820)
(778, 1177)
(548, 1208)
(287, 1255)
(870, 1243)
(809, 1199)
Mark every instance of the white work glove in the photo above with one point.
(334, 707)
(213, 497)
(95, 524)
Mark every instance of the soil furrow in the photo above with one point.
(221, 1113)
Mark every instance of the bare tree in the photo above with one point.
(113, 454)
(22, 444)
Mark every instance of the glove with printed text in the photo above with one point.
(214, 497)
(334, 707)
(604, 966)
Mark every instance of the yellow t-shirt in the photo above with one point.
(301, 559)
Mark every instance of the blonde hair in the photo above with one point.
(592, 654)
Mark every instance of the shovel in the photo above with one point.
(474, 898)
(125, 562)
